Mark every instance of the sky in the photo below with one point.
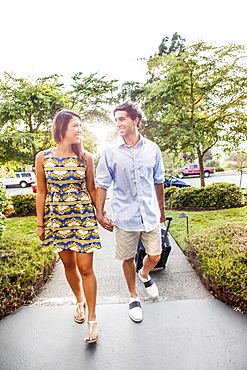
(40, 38)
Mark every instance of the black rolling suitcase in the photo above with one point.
(166, 248)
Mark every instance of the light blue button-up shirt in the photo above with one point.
(132, 172)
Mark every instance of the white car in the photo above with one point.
(22, 179)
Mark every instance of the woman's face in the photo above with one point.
(74, 131)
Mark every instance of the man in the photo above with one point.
(133, 166)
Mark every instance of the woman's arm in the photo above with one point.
(90, 183)
(41, 194)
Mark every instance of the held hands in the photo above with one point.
(105, 221)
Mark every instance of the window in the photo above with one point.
(26, 174)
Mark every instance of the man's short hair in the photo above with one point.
(132, 110)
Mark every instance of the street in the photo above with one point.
(194, 181)
(18, 190)
(231, 178)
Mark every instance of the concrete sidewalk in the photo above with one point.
(186, 328)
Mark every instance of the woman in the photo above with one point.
(65, 214)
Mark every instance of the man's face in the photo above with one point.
(125, 125)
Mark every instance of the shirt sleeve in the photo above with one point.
(103, 172)
(159, 172)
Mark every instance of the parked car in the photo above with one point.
(193, 169)
(34, 187)
(22, 179)
(173, 181)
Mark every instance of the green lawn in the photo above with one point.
(202, 220)
(21, 225)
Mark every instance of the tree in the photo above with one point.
(90, 141)
(15, 147)
(89, 95)
(29, 106)
(198, 100)
(130, 90)
(134, 91)
(238, 163)
(176, 46)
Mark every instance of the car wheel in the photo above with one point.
(180, 175)
(23, 184)
(206, 174)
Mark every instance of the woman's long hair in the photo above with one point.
(59, 127)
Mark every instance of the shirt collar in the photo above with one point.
(121, 142)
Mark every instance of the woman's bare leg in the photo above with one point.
(72, 273)
(74, 279)
(85, 266)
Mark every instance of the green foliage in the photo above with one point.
(176, 45)
(89, 94)
(24, 265)
(237, 162)
(4, 203)
(197, 100)
(218, 253)
(169, 192)
(219, 169)
(27, 108)
(24, 204)
(217, 195)
(89, 140)
(171, 162)
(16, 145)
(130, 90)
(219, 256)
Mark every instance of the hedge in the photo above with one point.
(219, 256)
(24, 204)
(24, 267)
(215, 196)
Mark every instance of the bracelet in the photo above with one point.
(40, 226)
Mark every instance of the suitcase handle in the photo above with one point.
(169, 219)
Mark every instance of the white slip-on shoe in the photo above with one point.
(150, 286)
(135, 309)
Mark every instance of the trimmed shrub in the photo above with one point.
(5, 204)
(218, 195)
(219, 255)
(24, 204)
(168, 193)
(219, 169)
(24, 267)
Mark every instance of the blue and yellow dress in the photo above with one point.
(69, 218)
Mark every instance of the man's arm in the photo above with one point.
(159, 189)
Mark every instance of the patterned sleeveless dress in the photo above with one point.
(69, 218)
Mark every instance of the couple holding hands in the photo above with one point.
(67, 198)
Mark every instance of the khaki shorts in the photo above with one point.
(127, 242)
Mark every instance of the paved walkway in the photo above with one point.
(185, 329)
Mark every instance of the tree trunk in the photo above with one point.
(241, 176)
(200, 164)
